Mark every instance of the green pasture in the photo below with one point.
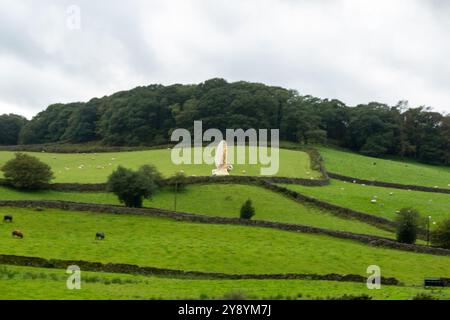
(27, 283)
(96, 167)
(368, 168)
(165, 243)
(219, 200)
(388, 201)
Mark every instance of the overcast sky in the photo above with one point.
(353, 50)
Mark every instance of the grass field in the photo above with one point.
(166, 243)
(27, 283)
(219, 200)
(172, 244)
(358, 197)
(97, 167)
(404, 172)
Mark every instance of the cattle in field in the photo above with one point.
(8, 218)
(100, 236)
(17, 234)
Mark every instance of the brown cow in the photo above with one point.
(17, 234)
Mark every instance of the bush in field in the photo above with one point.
(247, 210)
(351, 297)
(408, 221)
(234, 295)
(27, 172)
(440, 237)
(424, 296)
(131, 187)
(151, 171)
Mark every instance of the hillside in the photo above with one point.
(147, 115)
(300, 236)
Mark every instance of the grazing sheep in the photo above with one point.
(373, 201)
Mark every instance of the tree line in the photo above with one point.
(147, 116)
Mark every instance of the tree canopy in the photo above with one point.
(147, 116)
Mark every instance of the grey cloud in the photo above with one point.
(356, 51)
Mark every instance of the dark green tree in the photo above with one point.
(10, 127)
(440, 237)
(180, 181)
(131, 187)
(27, 172)
(247, 210)
(82, 124)
(408, 224)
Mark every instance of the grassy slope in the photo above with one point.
(359, 197)
(358, 166)
(27, 283)
(219, 200)
(203, 247)
(97, 167)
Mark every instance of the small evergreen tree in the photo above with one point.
(440, 237)
(408, 222)
(27, 172)
(247, 210)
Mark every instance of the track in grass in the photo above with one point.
(220, 200)
(375, 169)
(165, 243)
(92, 168)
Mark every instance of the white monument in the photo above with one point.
(223, 168)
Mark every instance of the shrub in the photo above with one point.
(180, 181)
(235, 295)
(151, 171)
(131, 187)
(440, 237)
(408, 221)
(247, 210)
(27, 172)
(424, 296)
(351, 297)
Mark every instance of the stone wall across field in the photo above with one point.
(181, 216)
(335, 209)
(387, 184)
(101, 187)
(152, 271)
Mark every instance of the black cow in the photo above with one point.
(8, 218)
(100, 236)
